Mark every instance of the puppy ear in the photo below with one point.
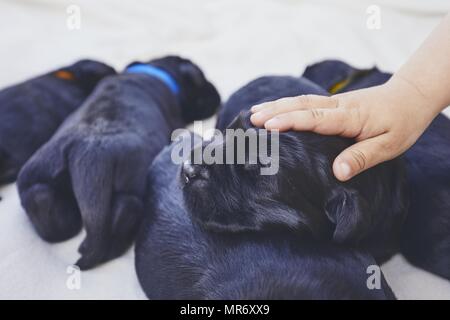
(193, 73)
(238, 122)
(312, 225)
(90, 72)
(285, 216)
(350, 213)
(202, 97)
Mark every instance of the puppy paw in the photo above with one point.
(89, 258)
(53, 218)
(46, 195)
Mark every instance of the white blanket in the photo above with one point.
(234, 41)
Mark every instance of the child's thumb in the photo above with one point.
(360, 157)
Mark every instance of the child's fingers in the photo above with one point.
(362, 156)
(267, 110)
(337, 121)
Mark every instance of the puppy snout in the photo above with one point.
(193, 171)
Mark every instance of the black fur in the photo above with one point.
(33, 110)
(263, 89)
(303, 197)
(177, 259)
(92, 172)
(426, 234)
(330, 72)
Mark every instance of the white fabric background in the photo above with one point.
(234, 41)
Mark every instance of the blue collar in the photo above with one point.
(156, 72)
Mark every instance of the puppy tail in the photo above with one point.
(91, 173)
(109, 207)
(8, 172)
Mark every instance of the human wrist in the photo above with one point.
(408, 94)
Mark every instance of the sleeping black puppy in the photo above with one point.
(92, 172)
(303, 196)
(177, 259)
(426, 232)
(32, 111)
(426, 235)
(337, 76)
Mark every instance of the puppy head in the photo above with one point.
(86, 73)
(303, 195)
(199, 98)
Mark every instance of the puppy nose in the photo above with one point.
(190, 171)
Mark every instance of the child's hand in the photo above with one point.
(384, 120)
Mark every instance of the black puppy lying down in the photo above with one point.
(177, 259)
(426, 234)
(31, 111)
(92, 172)
(303, 196)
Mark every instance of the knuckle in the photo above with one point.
(305, 100)
(356, 124)
(316, 114)
(334, 102)
(387, 146)
(359, 158)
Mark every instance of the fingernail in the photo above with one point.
(254, 117)
(345, 170)
(257, 117)
(272, 123)
(256, 108)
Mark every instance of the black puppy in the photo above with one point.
(303, 196)
(93, 170)
(177, 259)
(337, 76)
(426, 234)
(33, 110)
